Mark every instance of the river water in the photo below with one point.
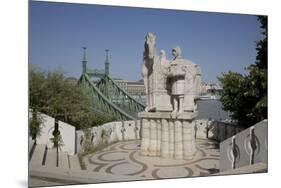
(207, 109)
(211, 109)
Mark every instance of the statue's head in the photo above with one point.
(176, 52)
(150, 38)
(162, 54)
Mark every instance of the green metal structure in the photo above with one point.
(107, 96)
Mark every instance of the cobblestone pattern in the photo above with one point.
(124, 158)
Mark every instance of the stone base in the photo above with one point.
(167, 135)
(158, 96)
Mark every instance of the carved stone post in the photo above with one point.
(165, 139)
(171, 139)
(145, 137)
(178, 140)
(188, 140)
(158, 128)
(153, 138)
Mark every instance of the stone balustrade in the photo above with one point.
(72, 140)
(245, 148)
(109, 133)
(215, 130)
(66, 130)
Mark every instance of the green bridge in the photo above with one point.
(109, 100)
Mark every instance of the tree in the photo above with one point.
(36, 84)
(51, 93)
(245, 96)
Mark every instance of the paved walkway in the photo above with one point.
(124, 159)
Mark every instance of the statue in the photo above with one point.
(154, 73)
(185, 79)
(170, 86)
(148, 59)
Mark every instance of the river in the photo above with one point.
(211, 109)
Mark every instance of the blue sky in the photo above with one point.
(217, 42)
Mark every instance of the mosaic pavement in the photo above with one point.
(124, 158)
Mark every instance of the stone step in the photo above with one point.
(74, 162)
(51, 159)
(254, 168)
(38, 155)
(63, 160)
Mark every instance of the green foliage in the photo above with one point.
(51, 93)
(56, 139)
(35, 125)
(246, 95)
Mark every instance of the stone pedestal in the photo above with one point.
(168, 136)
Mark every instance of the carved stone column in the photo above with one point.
(171, 139)
(178, 140)
(145, 133)
(158, 128)
(153, 138)
(189, 148)
(165, 139)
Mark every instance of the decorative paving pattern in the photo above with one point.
(124, 158)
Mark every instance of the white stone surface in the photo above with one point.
(167, 137)
(68, 138)
(72, 140)
(189, 148)
(171, 139)
(46, 133)
(154, 72)
(178, 140)
(152, 138)
(145, 132)
(201, 128)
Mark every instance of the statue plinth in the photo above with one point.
(168, 135)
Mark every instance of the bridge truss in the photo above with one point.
(107, 96)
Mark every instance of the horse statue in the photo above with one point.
(149, 56)
(154, 73)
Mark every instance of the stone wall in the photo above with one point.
(215, 130)
(46, 133)
(245, 148)
(109, 133)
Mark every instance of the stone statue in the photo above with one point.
(185, 79)
(169, 86)
(147, 69)
(154, 73)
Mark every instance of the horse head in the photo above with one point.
(149, 46)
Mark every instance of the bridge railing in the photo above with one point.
(101, 102)
(119, 96)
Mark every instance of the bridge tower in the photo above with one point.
(106, 63)
(84, 61)
(106, 72)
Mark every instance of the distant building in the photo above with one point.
(134, 88)
(123, 84)
(210, 88)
